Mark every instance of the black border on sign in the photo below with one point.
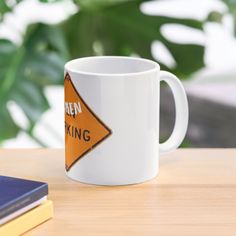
(67, 77)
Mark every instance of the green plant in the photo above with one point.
(232, 11)
(107, 27)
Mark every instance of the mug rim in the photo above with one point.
(155, 66)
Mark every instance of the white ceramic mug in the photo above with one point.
(112, 119)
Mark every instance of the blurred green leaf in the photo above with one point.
(91, 5)
(25, 70)
(8, 128)
(4, 7)
(122, 29)
(232, 10)
(7, 6)
(215, 16)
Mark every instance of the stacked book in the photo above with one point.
(23, 205)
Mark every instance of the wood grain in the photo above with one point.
(194, 194)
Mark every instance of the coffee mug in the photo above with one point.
(112, 119)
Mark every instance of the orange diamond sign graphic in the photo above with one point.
(83, 129)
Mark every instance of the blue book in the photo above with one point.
(16, 194)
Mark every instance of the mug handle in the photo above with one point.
(181, 111)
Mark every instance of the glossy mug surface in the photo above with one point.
(112, 119)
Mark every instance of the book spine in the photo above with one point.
(27, 221)
(25, 200)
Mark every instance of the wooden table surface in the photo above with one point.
(194, 194)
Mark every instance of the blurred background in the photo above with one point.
(195, 39)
